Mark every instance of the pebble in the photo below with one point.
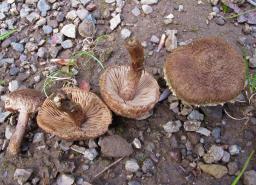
(136, 11)
(149, 2)
(176, 155)
(234, 149)
(154, 39)
(75, 3)
(226, 157)
(215, 170)
(115, 21)
(17, 47)
(6, 61)
(67, 44)
(171, 41)
(92, 143)
(180, 8)
(195, 115)
(43, 7)
(65, 179)
(4, 116)
(172, 126)
(47, 29)
(191, 125)
(136, 143)
(199, 149)
(71, 15)
(132, 165)
(193, 137)
(232, 168)
(125, 33)
(91, 7)
(220, 21)
(214, 2)
(90, 154)
(148, 166)
(115, 146)
(41, 52)
(204, 131)
(57, 38)
(13, 85)
(38, 137)
(110, 1)
(214, 154)
(216, 134)
(30, 46)
(216, 9)
(87, 28)
(14, 71)
(147, 9)
(40, 22)
(32, 17)
(9, 130)
(249, 177)
(82, 13)
(22, 175)
(69, 30)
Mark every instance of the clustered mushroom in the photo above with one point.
(25, 101)
(74, 114)
(130, 91)
(206, 72)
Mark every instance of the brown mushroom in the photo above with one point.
(129, 90)
(25, 101)
(206, 72)
(74, 114)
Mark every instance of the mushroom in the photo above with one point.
(74, 114)
(206, 72)
(130, 91)
(24, 101)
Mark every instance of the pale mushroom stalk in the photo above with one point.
(17, 136)
(136, 52)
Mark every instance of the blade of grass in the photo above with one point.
(239, 14)
(88, 54)
(7, 34)
(243, 169)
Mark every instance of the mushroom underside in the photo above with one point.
(146, 93)
(207, 72)
(97, 117)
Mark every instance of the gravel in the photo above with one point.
(215, 170)
(232, 168)
(191, 125)
(214, 154)
(147, 9)
(69, 30)
(148, 166)
(67, 44)
(87, 28)
(136, 11)
(234, 149)
(136, 143)
(22, 175)
(90, 154)
(125, 33)
(172, 126)
(115, 21)
(195, 115)
(47, 29)
(148, 2)
(43, 7)
(65, 179)
(13, 85)
(132, 165)
(17, 47)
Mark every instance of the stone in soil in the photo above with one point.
(220, 21)
(64, 179)
(132, 165)
(232, 168)
(13, 85)
(154, 39)
(147, 9)
(214, 154)
(216, 133)
(204, 131)
(47, 29)
(30, 46)
(171, 41)
(43, 7)
(115, 146)
(17, 47)
(195, 115)
(82, 13)
(57, 38)
(71, 15)
(175, 155)
(191, 126)
(136, 143)
(22, 175)
(249, 177)
(90, 154)
(148, 2)
(172, 126)
(234, 149)
(38, 137)
(87, 28)
(136, 11)
(215, 170)
(67, 44)
(125, 33)
(148, 166)
(226, 157)
(69, 30)
(41, 52)
(14, 71)
(199, 149)
(115, 21)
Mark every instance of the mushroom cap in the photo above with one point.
(27, 100)
(146, 95)
(206, 72)
(97, 117)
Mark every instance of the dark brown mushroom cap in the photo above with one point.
(146, 95)
(27, 100)
(97, 117)
(206, 72)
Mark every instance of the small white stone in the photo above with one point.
(136, 11)
(234, 149)
(38, 137)
(110, 1)
(125, 33)
(71, 15)
(136, 143)
(172, 126)
(69, 30)
(22, 175)
(64, 179)
(147, 9)
(90, 154)
(154, 39)
(115, 21)
(147, 2)
(204, 131)
(13, 85)
(132, 165)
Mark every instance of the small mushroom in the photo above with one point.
(74, 114)
(25, 101)
(130, 91)
(206, 72)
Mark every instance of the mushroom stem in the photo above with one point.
(17, 136)
(136, 52)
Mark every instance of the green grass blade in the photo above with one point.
(89, 54)
(243, 169)
(7, 34)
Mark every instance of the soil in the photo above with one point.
(49, 161)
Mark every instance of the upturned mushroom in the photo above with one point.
(25, 101)
(206, 72)
(74, 114)
(130, 91)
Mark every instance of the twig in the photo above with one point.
(109, 166)
(237, 119)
